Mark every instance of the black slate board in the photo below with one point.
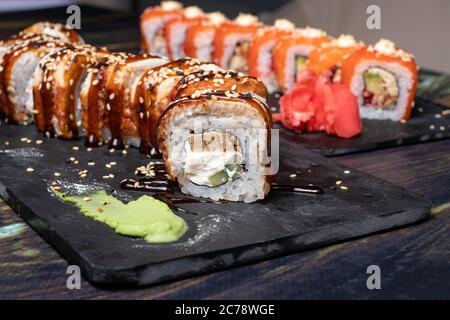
(377, 134)
(219, 236)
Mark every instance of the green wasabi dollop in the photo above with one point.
(145, 217)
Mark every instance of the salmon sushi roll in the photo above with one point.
(291, 53)
(260, 52)
(384, 79)
(152, 23)
(175, 31)
(200, 38)
(232, 42)
(328, 58)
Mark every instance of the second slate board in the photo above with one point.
(219, 236)
(427, 123)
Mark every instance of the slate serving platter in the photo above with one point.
(219, 235)
(427, 123)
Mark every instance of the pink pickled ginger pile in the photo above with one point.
(315, 104)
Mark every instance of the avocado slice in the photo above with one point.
(373, 82)
(300, 63)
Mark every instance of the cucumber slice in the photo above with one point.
(218, 178)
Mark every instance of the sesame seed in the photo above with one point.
(343, 188)
(292, 175)
(111, 96)
(108, 166)
(86, 199)
(339, 182)
(100, 210)
(39, 141)
(106, 177)
(23, 139)
(111, 175)
(75, 148)
(111, 150)
(124, 152)
(113, 163)
(57, 174)
(30, 169)
(347, 171)
(89, 149)
(91, 163)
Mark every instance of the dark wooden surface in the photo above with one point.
(414, 261)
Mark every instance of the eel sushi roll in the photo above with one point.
(175, 31)
(232, 42)
(200, 38)
(212, 127)
(384, 79)
(56, 89)
(328, 58)
(120, 80)
(18, 63)
(260, 52)
(152, 23)
(290, 54)
(56, 30)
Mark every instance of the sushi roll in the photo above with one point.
(155, 91)
(17, 66)
(93, 103)
(186, 104)
(290, 54)
(260, 52)
(120, 79)
(200, 38)
(152, 22)
(175, 31)
(232, 41)
(215, 145)
(56, 30)
(384, 80)
(56, 89)
(329, 56)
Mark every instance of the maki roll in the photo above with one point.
(56, 30)
(17, 66)
(175, 31)
(120, 79)
(290, 54)
(232, 41)
(215, 145)
(260, 52)
(384, 80)
(212, 127)
(156, 90)
(200, 38)
(152, 22)
(328, 58)
(56, 89)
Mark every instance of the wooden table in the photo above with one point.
(414, 261)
